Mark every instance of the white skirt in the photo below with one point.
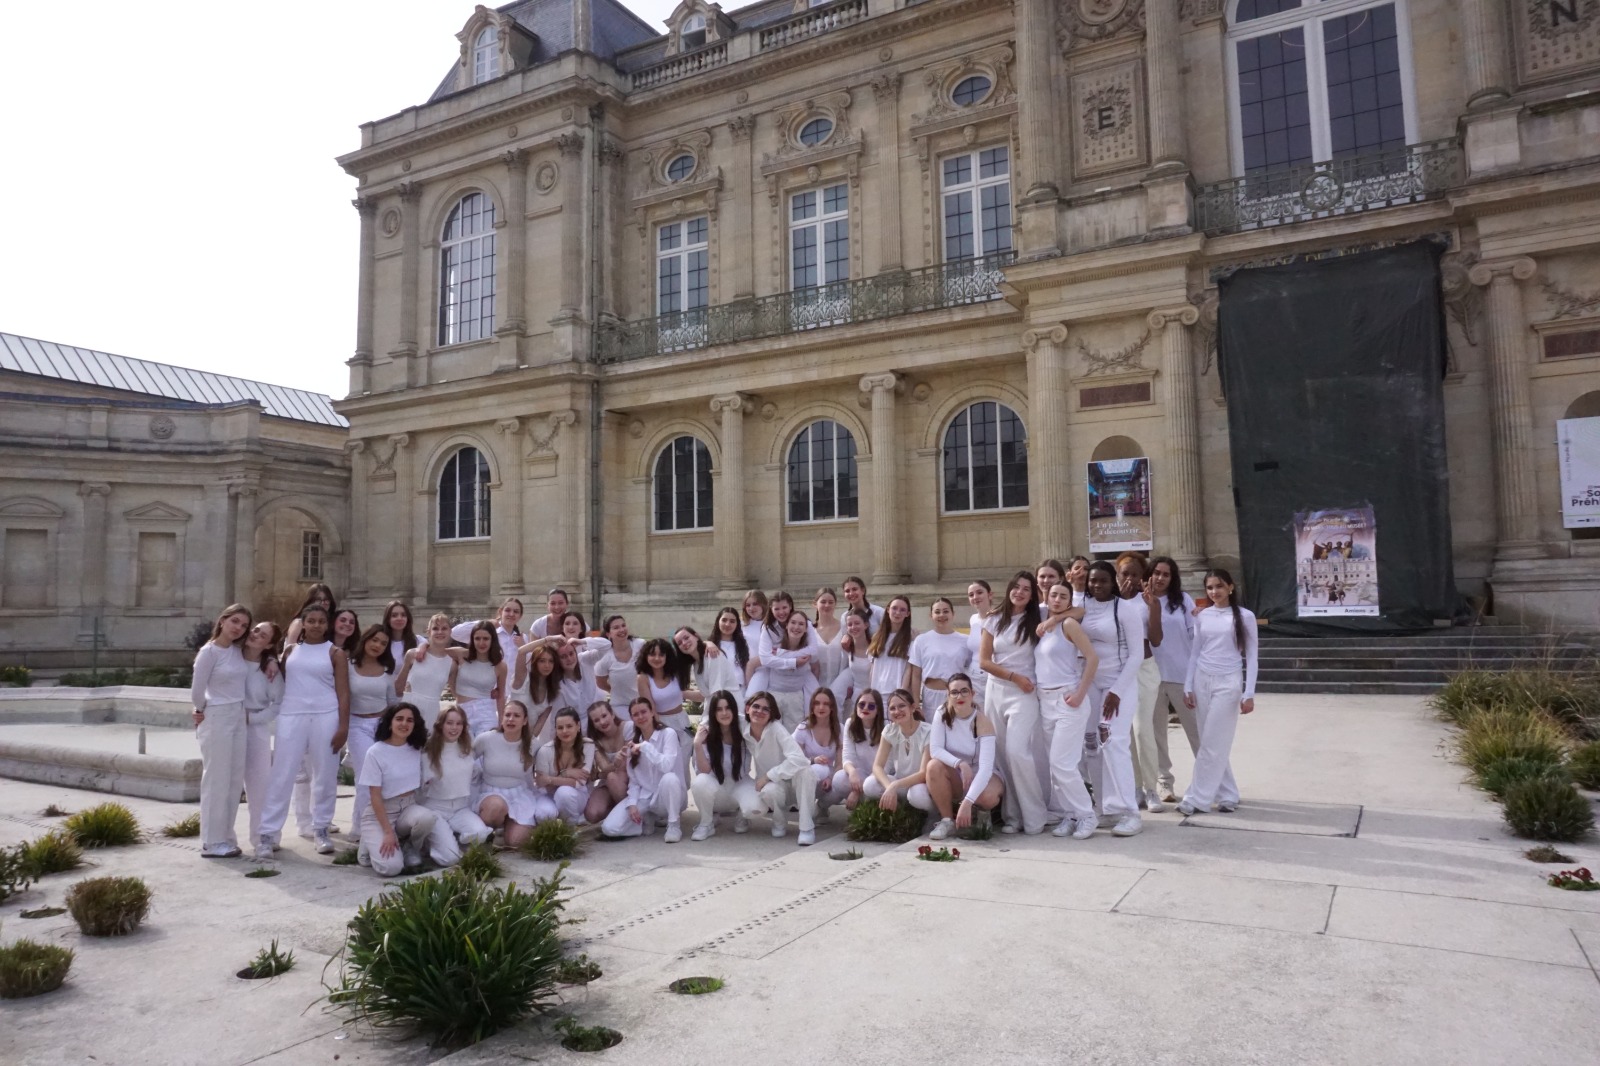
(522, 805)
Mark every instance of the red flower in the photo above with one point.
(956, 852)
(1583, 872)
(924, 850)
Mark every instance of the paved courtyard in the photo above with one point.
(1364, 906)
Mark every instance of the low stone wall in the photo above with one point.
(129, 704)
(151, 776)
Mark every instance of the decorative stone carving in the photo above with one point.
(696, 145)
(390, 223)
(941, 78)
(1568, 304)
(834, 106)
(886, 86)
(545, 178)
(1110, 119)
(1124, 359)
(1208, 302)
(1555, 38)
(1200, 10)
(1056, 334)
(742, 127)
(1085, 22)
(542, 432)
(1463, 302)
(162, 427)
(610, 152)
(570, 144)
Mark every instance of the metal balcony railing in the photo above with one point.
(810, 23)
(1319, 190)
(965, 281)
(683, 66)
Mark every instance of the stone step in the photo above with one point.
(1349, 688)
(1491, 640)
(1416, 662)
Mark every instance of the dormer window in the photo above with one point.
(970, 90)
(486, 56)
(680, 168)
(816, 131)
(693, 32)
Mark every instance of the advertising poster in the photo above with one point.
(1119, 506)
(1578, 445)
(1336, 562)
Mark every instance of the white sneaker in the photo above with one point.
(1129, 826)
(673, 834)
(321, 844)
(410, 858)
(1085, 828)
(703, 831)
(779, 827)
(264, 848)
(741, 824)
(219, 851)
(807, 837)
(1063, 828)
(1227, 808)
(1152, 801)
(1188, 809)
(307, 832)
(1011, 829)
(943, 830)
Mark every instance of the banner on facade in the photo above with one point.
(1119, 506)
(1578, 444)
(1336, 562)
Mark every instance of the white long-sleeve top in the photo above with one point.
(658, 757)
(767, 643)
(905, 752)
(453, 779)
(785, 674)
(260, 691)
(1215, 651)
(958, 743)
(716, 673)
(1119, 658)
(219, 675)
(1177, 634)
(775, 756)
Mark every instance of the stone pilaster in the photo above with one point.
(885, 478)
(738, 256)
(242, 582)
(729, 521)
(359, 492)
(361, 361)
(886, 90)
(1049, 439)
(506, 519)
(1163, 53)
(1039, 162)
(413, 532)
(1483, 23)
(1510, 406)
(92, 566)
(410, 282)
(511, 288)
(568, 322)
(1181, 496)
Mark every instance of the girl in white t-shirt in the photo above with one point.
(610, 736)
(860, 736)
(855, 669)
(900, 767)
(399, 830)
(1010, 635)
(722, 780)
(508, 800)
(818, 738)
(935, 655)
(1066, 662)
(890, 647)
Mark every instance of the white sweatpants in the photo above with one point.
(222, 759)
(777, 797)
(917, 795)
(461, 822)
(1015, 715)
(1064, 726)
(1116, 792)
(416, 825)
(667, 802)
(1216, 698)
(1146, 747)
(303, 738)
(825, 776)
(302, 796)
(1169, 701)
(712, 796)
(257, 766)
(363, 734)
(791, 709)
(570, 802)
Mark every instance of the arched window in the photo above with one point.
(693, 32)
(985, 460)
(1318, 80)
(466, 271)
(464, 496)
(822, 473)
(486, 56)
(970, 90)
(683, 486)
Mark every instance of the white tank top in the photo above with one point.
(308, 681)
(427, 679)
(370, 695)
(668, 698)
(475, 680)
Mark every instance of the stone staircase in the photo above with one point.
(1410, 665)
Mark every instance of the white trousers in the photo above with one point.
(1148, 745)
(712, 797)
(257, 766)
(222, 759)
(416, 825)
(1116, 792)
(303, 738)
(1169, 701)
(570, 802)
(1015, 715)
(482, 716)
(1064, 726)
(827, 793)
(665, 804)
(302, 796)
(461, 822)
(363, 734)
(777, 797)
(917, 795)
(791, 709)
(1216, 698)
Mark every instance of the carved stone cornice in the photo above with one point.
(410, 191)
(509, 426)
(1520, 268)
(890, 382)
(886, 86)
(94, 488)
(366, 206)
(516, 160)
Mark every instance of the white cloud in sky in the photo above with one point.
(167, 174)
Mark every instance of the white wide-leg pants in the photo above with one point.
(303, 738)
(1216, 699)
(363, 734)
(1015, 715)
(712, 797)
(1169, 701)
(1147, 745)
(257, 766)
(416, 825)
(667, 802)
(222, 759)
(1064, 726)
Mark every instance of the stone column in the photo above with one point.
(359, 490)
(511, 287)
(410, 280)
(885, 478)
(573, 194)
(730, 509)
(1049, 435)
(1180, 492)
(738, 256)
(411, 534)
(92, 572)
(1510, 406)
(1039, 153)
(506, 525)
(1488, 65)
(361, 362)
(1163, 56)
(243, 582)
(886, 89)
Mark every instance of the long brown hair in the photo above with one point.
(897, 646)
(233, 609)
(574, 751)
(435, 748)
(824, 695)
(858, 729)
(949, 711)
(358, 654)
(524, 742)
(655, 721)
(544, 688)
(408, 635)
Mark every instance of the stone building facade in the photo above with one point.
(807, 289)
(138, 499)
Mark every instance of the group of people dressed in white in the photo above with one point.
(1050, 709)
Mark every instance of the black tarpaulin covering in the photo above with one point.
(1333, 374)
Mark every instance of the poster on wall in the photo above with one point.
(1578, 445)
(1336, 562)
(1119, 506)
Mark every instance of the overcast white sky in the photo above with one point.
(167, 179)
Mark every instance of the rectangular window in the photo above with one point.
(976, 187)
(683, 266)
(819, 237)
(310, 555)
(1366, 107)
(158, 570)
(1274, 102)
(26, 569)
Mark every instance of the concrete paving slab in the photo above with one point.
(1284, 816)
(985, 877)
(1251, 902)
(1506, 931)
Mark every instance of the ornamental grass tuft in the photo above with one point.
(871, 823)
(108, 906)
(15, 873)
(183, 827)
(28, 968)
(1583, 765)
(552, 840)
(109, 825)
(1493, 736)
(269, 962)
(1568, 697)
(480, 863)
(1546, 808)
(53, 853)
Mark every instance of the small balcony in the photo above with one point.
(682, 66)
(813, 22)
(965, 281)
(1322, 190)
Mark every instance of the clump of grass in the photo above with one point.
(15, 873)
(28, 968)
(480, 863)
(983, 830)
(1491, 737)
(347, 775)
(586, 1037)
(1545, 853)
(696, 986)
(53, 853)
(109, 825)
(578, 971)
(269, 962)
(109, 906)
(1569, 698)
(42, 912)
(346, 857)
(54, 811)
(183, 827)
(263, 871)
(848, 855)
(1545, 808)
(1583, 765)
(869, 822)
(551, 841)
(1499, 775)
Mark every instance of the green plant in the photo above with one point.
(578, 971)
(1579, 880)
(848, 855)
(19, 676)
(183, 827)
(1493, 736)
(53, 853)
(1583, 765)
(347, 775)
(54, 811)
(452, 957)
(1545, 808)
(149, 677)
(347, 857)
(480, 863)
(1545, 853)
(1573, 699)
(15, 872)
(109, 906)
(577, 1037)
(978, 830)
(1498, 775)
(551, 841)
(263, 871)
(696, 986)
(108, 825)
(869, 822)
(28, 968)
(269, 962)
(42, 912)
(927, 853)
